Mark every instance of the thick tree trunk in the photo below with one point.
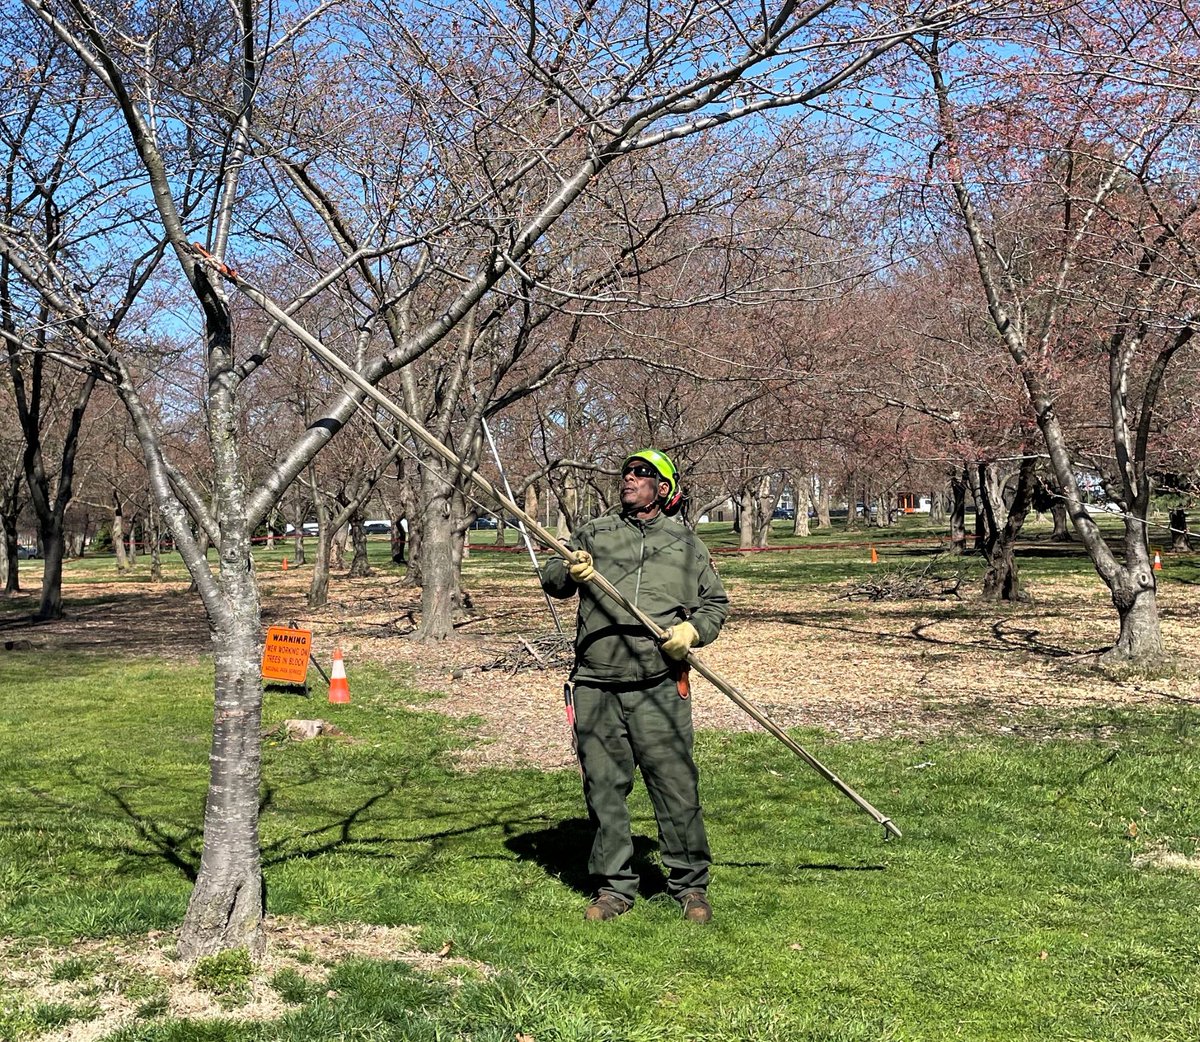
(337, 548)
(1180, 536)
(12, 562)
(1000, 514)
(937, 507)
(50, 606)
(298, 546)
(439, 581)
(412, 576)
(399, 539)
(746, 519)
(1135, 596)
(763, 506)
(226, 907)
(1062, 522)
(803, 503)
(883, 512)
(154, 537)
(360, 565)
(824, 505)
(318, 585)
(958, 514)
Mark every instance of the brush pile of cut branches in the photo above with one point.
(550, 651)
(939, 576)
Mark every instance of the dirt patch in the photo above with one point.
(1162, 859)
(808, 657)
(140, 978)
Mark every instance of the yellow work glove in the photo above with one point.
(581, 567)
(680, 639)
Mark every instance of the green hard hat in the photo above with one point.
(661, 462)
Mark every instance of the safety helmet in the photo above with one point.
(661, 462)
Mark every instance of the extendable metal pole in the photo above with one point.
(419, 432)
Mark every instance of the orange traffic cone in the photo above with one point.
(874, 556)
(339, 686)
(285, 564)
(1157, 562)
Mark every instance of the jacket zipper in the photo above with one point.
(637, 589)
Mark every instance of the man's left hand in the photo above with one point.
(680, 639)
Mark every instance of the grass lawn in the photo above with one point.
(1031, 898)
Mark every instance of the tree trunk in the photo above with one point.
(51, 604)
(337, 549)
(298, 546)
(399, 538)
(133, 551)
(360, 566)
(1000, 522)
(824, 505)
(1135, 597)
(1062, 523)
(11, 560)
(958, 514)
(1180, 537)
(745, 518)
(153, 535)
(764, 507)
(412, 576)
(118, 535)
(937, 507)
(318, 586)
(226, 906)
(439, 583)
(803, 503)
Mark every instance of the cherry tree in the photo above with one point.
(503, 120)
(1074, 184)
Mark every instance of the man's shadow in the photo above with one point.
(562, 850)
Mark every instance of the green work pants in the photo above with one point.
(648, 726)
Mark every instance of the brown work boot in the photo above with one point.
(606, 906)
(696, 908)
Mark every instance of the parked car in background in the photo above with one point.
(27, 553)
(784, 513)
(377, 527)
(484, 521)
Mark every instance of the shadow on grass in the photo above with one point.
(562, 851)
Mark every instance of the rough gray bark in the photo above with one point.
(436, 554)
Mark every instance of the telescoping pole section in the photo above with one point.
(421, 434)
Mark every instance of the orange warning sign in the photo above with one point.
(285, 654)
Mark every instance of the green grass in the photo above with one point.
(1011, 909)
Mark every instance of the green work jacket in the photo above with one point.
(663, 568)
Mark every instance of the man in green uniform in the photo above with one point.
(631, 695)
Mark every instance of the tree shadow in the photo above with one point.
(562, 851)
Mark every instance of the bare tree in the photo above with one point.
(1110, 273)
(558, 102)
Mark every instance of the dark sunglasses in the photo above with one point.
(640, 470)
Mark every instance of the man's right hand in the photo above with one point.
(581, 568)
